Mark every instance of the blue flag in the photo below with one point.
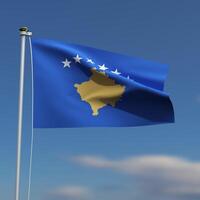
(79, 86)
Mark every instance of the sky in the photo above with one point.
(151, 162)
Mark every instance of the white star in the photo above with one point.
(66, 63)
(116, 72)
(90, 61)
(103, 67)
(77, 59)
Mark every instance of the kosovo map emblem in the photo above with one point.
(99, 91)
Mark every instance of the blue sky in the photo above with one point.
(154, 162)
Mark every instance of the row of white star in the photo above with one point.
(77, 59)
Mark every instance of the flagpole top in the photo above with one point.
(24, 31)
(24, 28)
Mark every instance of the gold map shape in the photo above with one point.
(99, 91)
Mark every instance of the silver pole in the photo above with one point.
(23, 34)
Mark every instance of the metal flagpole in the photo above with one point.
(23, 33)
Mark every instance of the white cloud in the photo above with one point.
(71, 192)
(157, 175)
(93, 161)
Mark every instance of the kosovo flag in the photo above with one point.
(79, 86)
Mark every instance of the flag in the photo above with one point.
(80, 86)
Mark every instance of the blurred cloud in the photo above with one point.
(157, 176)
(71, 192)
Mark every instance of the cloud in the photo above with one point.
(157, 176)
(71, 192)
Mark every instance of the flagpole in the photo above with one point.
(23, 33)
